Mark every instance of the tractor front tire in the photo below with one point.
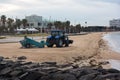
(50, 45)
(67, 44)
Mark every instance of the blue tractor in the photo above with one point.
(58, 38)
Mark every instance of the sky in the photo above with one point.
(94, 12)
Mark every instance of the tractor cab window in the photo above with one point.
(54, 33)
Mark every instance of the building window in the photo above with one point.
(27, 24)
(32, 24)
(39, 24)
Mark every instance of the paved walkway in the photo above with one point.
(9, 39)
(17, 39)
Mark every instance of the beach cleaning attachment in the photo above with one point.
(29, 43)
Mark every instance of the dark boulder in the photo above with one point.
(58, 76)
(1, 58)
(22, 58)
(110, 76)
(31, 76)
(113, 71)
(65, 76)
(6, 71)
(89, 76)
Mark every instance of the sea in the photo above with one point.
(113, 40)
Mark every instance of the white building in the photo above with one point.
(114, 23)
(35, 21)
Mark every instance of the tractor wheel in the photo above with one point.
(67, 44)
(59, 43)
(48, 43)
(27, 45)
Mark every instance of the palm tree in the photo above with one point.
(3, 19)
(57, 24)
(67, 26)
(18, 23)
(78, 28)
(10, 25)
(50, 25)
(24, 22)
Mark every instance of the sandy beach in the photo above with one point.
(85, 46)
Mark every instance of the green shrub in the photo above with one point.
(2, 37)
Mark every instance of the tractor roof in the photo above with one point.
(57, 31)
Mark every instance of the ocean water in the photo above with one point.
(113, 40)
(114, 43)
(115, 64)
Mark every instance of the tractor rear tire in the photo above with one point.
(49, 44)
(59, 43)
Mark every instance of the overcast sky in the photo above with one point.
(95, 12)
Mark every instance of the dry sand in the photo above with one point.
(85, 46)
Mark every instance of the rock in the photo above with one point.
(89, 76)
(79, 72)
(86, 71)
(58, 76)
(21, 70)
(22, 58)
(15, 79)
(26, 63)
(34, 65)
(6, 71)
(9, 63)
(49, 70)
(113, 71)
(31, 76)
(103, 63)
(52, 63)
(75, 72)
(48, 64)
(47, 77)
(65, 65)
(34, 69)
(16, 72)
(23, 75)
(1, 58)
(6, 58)
(102, 71)
(77, 59)
(93, 62)
(2, 66)
(65, 76)
(75, 66)
(111, 76)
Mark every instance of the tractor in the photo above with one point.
(58, 38)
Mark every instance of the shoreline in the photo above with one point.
(111, 55)
(108, 51)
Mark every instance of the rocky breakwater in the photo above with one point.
(21, 70)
